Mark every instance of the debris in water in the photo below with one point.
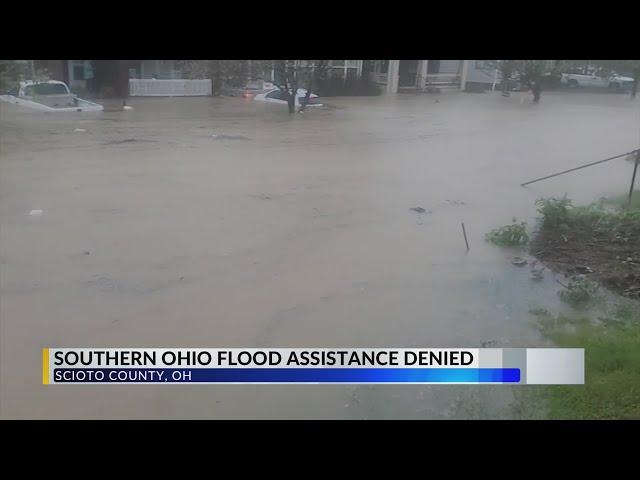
(228, 137)
(537, 273)
(118, 142)
(418, 209)
(80, 130)
(87, 252)
(583, 269)
(519, 261)
(35, 213)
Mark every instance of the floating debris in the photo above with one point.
(583, 269)
(261, 196)
(519, 261)
(418, 209)
(537, 274)
(228, 137)
(35, 213)
(80, 130)
(128, 140)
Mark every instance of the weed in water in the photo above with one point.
(580, 292)
(509, 235)
(554, 210)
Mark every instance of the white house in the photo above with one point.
(397, 75)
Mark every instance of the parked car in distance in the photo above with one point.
(276, 95)
(620, 82)
(596, 80)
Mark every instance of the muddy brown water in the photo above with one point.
(283, 232)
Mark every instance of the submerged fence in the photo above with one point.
(622, 155)
(142, 87)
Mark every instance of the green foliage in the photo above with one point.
(612, 365)
(14, 71)
(622, 201)
(554, 210)
(509, 235)
(621, 67)
(580, 292)
(605, 217)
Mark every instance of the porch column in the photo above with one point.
(393, 75)
(423, 66)
(463, 75)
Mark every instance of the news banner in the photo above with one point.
(509, 366)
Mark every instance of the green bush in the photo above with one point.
(554, 210)
(581, 292)
(509, 235)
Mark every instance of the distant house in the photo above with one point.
(112, 77)
(108, 77)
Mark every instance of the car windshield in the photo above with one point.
(277, 94)
(46, 89)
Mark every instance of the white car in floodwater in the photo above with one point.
(275, 95)
(48, 96)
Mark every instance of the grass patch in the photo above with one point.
(601, 240)
(512, 235)
(581, 292)
(612, 365)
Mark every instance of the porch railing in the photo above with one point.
(442, 78)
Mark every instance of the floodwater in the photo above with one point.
(222, 222)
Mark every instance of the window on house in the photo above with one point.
(78, 72)
(433, 66)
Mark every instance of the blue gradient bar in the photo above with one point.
(291, 375)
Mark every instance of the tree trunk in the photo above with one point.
(291, 101)
(536, 89)
(215, 68)
(307, 95)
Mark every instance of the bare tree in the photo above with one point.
(286, 78)
(290, 75)
(628, 67)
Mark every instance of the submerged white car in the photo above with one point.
(48, 96)
(275, 95)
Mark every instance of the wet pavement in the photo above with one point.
(222, 222)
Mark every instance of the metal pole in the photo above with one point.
(633, 177)
(580, 167)
(464, 232)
